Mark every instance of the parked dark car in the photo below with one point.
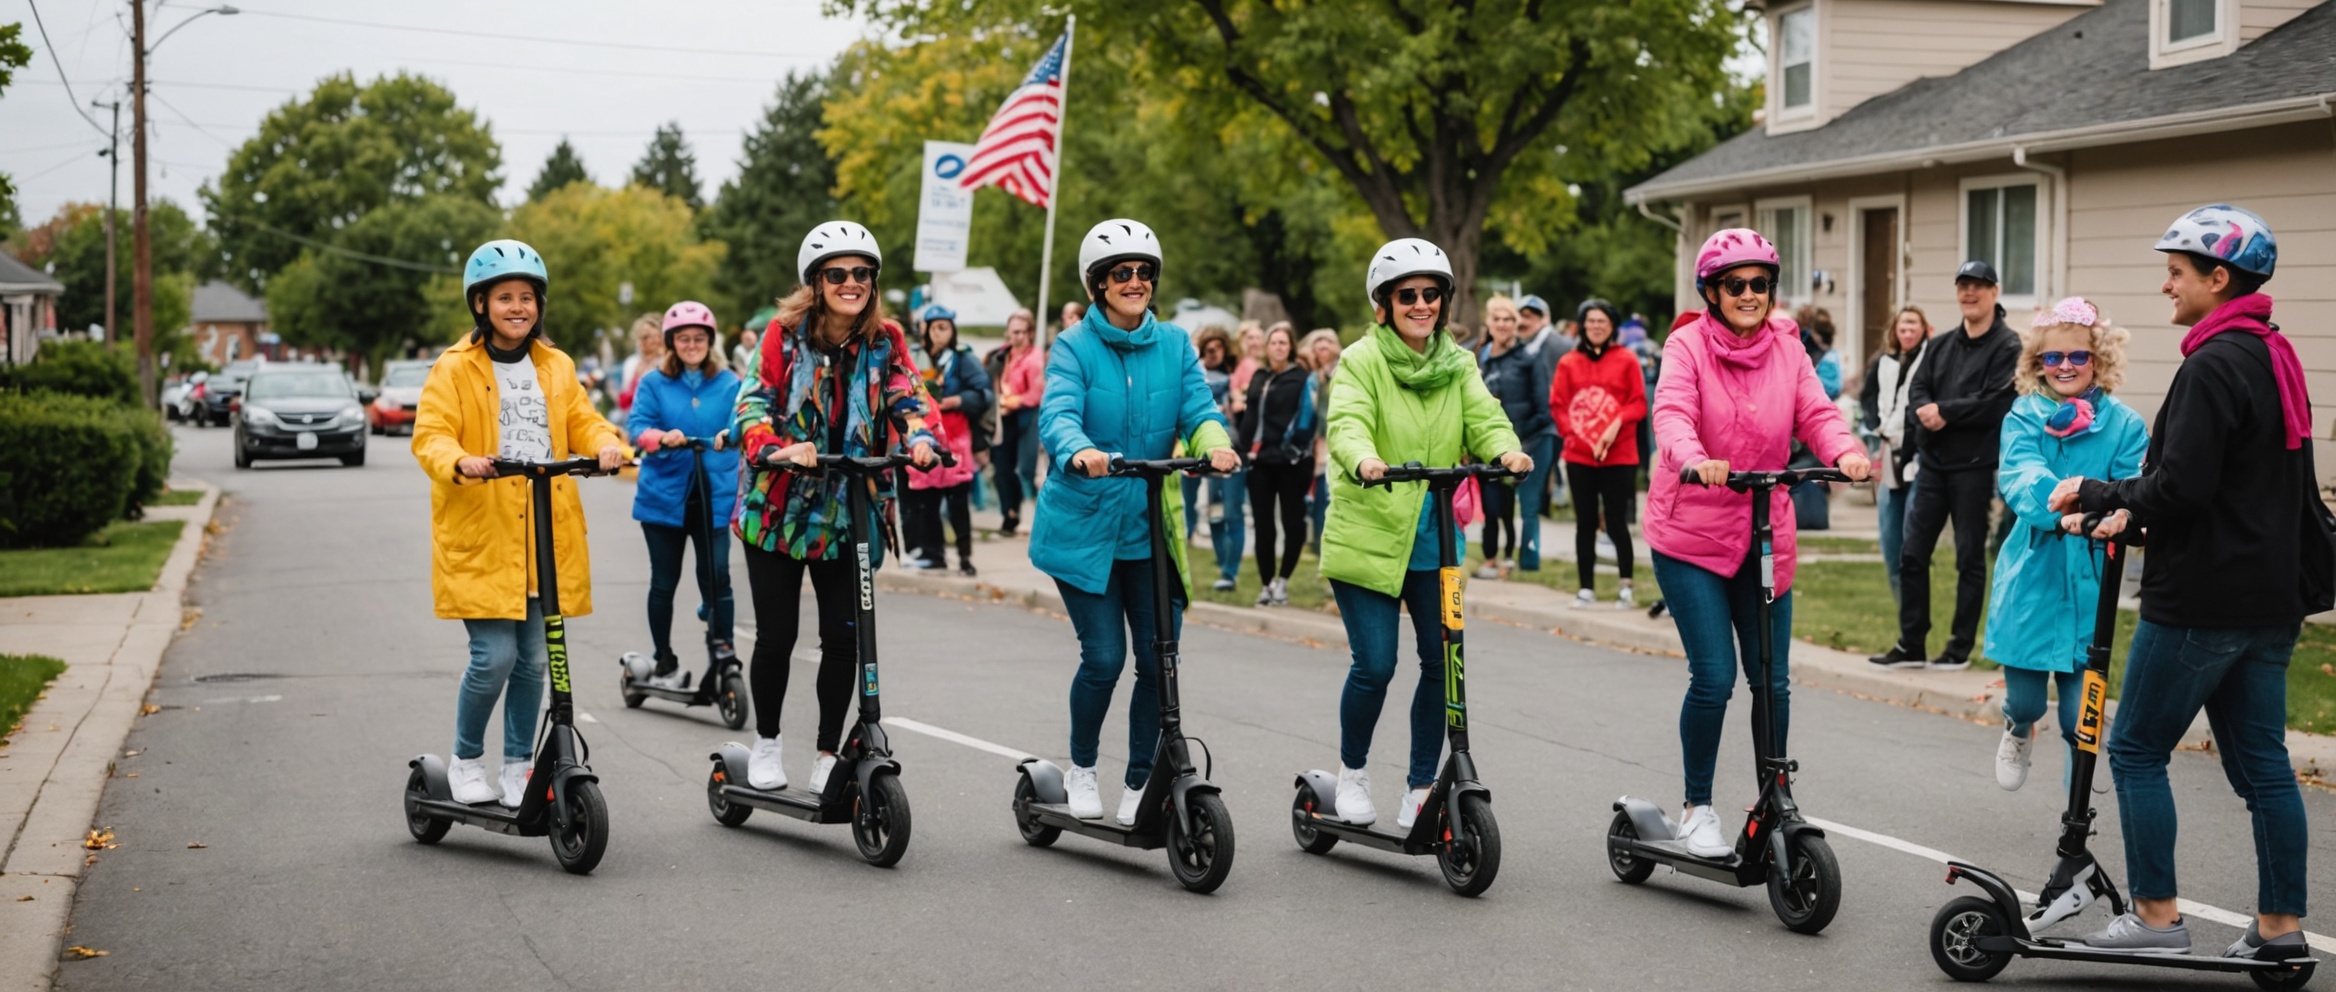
(299, 411)
(220, 391)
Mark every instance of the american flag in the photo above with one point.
(1016, 151)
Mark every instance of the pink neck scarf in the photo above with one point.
(2252, 314)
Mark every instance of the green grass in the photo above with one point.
(178, 497)
(1308, 589)
(1823, 545)
(22, 677)
(124, 557)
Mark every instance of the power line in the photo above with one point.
(507, 38)
(181, 85)
(182, 116)
(76, 101)
(358, 255)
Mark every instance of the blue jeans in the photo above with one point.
(1717, 618)
(1532, 494)
(501, 651)
(1106, 624)
(1371, 626)
(1891, 517)
(2239, 676)
(2024, 695)
(1318, 504)
(1228, 534)
(667, 546)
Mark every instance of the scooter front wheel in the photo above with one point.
(1471, 853)
(880, 821)
(726, 813)
(1628, 866)
(1310, 839)
(633, 698)
(1806, 890)
(426, 828)
(1200, 854)
(1955, 935)
(584, 838)
(732, 700)
(2283, 981)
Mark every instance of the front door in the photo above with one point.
(1879, 275)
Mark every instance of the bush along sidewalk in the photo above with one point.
(82, 452)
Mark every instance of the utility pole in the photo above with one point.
(113, 206)
(142, 243)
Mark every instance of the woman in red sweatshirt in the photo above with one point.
(1597, 396)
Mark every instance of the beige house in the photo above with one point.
(2054, 139)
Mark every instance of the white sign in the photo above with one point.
(980, 298)
(945, 214)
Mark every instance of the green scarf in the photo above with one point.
(1423, 372)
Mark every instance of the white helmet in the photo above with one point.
(832, 239)
(1114, 240)
(1404, 257)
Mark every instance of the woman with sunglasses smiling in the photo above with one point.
(1736, 390)
(836, 377)
(1118, 382)
(1406, 392)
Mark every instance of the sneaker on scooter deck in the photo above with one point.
(862, 787)
(1777, 847)
(561, 799)
(1454, 823)
(724, 684)
(1179, 809)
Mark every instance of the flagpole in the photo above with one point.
(1055, 198)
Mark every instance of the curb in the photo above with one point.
(90, 708)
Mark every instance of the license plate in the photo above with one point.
(304, 441)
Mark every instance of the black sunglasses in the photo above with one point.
(1147, 273)
(1426, 294)
(1737, 285)
(858, 273)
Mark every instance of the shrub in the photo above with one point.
(80, 368)
(155, 449)
(73, 463)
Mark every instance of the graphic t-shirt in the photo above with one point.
(527, 430)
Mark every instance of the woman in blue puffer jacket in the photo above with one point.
(690, 395)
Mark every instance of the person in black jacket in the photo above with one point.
(1961, 392)
(2239, 554)
(1276, 432)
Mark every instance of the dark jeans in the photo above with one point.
(2239, 676)
(1500, 517)
(1318, 504)
(921, 517)
(1533, 498)
(1718, 621)
(1107, 624)
(1278, 492)
(1963, 495)
(1602, 494)
(1015, 460)
(1890, 518)
(666, 547)
(1372, 622)
(775, 579)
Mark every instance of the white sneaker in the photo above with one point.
(1585, 598)
(1086, 803)
(1701, 827)
(1354, 797)
(1222, 585)
(1407, 811)
(1623, 600)
(1489, 571)
(2011, 759)
(1281, 592)
(762, 767)
(468, 781)
(1129, 802)
(819, 772)
(515, 782)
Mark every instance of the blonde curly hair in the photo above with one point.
(2107, 345)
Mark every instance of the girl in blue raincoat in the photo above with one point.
(2047, 580)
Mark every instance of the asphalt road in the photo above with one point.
(306, 877)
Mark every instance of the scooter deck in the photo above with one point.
(1058, 815)
(2064, 950)
(1367, 836)
(686, 697)
(1731, 870)
(810, 807)
(490, 815)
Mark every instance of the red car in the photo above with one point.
(401, 395)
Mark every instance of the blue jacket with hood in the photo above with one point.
(699, 408)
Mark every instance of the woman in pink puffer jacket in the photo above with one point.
(1736, 389)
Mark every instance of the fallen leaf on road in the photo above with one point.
(80, 953)
(197, 846)
(89, 862)
(149, 709)
(129, 774)
(23, 898)
(132, 754)
(98, 840)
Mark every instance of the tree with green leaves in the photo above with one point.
(781, 191)
(369, 292)
(73, 242)
(594, 240)
(320, 164)
(563, 167)
(669, 167)
(14, 55)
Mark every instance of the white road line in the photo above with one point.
(954, 737)
(586, 717)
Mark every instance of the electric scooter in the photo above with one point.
(1777, 846)
(1975, 937)
(1180, 809)
(563, 797)
(1455, 824)
(864, 789)
(723, 685)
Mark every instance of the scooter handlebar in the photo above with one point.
(1147, 467)
(578, 465)
(1416, 472)
(855, 464)
(1743, 481)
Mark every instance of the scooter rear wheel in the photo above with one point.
(726, 813)
(1471, 855)
(1201, 855)
(1954, 936)
(733, 702)
(425, 828)
(584, 839)
(2282, 981)
(1310, 840)
(880, 821)
(1628, 867)
(1033, 832)
(1806, 891)
(633, 699)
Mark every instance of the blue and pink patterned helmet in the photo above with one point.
(1733, 247)
(2232, 235)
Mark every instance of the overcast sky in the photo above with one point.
(711, 65)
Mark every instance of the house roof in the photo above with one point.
(219, 303)
(17, 277)
(2086, 82)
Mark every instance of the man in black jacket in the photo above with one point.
(1958, 400)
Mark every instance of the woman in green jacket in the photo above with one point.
(1404, 393)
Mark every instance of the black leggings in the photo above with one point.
(922, 509)
(1286, 482)
(776, 581)
(1500, 517)
(1605, 492)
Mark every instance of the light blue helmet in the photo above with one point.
(935, 312)
(503, 259)
(2232, 235)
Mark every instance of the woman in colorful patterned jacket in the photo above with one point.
(834, 377)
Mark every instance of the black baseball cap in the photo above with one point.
(1976, 269)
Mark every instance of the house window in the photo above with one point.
(1787, 225)
(2000, 229)
(1797, 55)
(2191, 20)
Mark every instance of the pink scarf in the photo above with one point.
(2252, 313)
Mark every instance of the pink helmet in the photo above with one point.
(687, 313)
(1733, 247)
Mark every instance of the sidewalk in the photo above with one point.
(53, 771)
